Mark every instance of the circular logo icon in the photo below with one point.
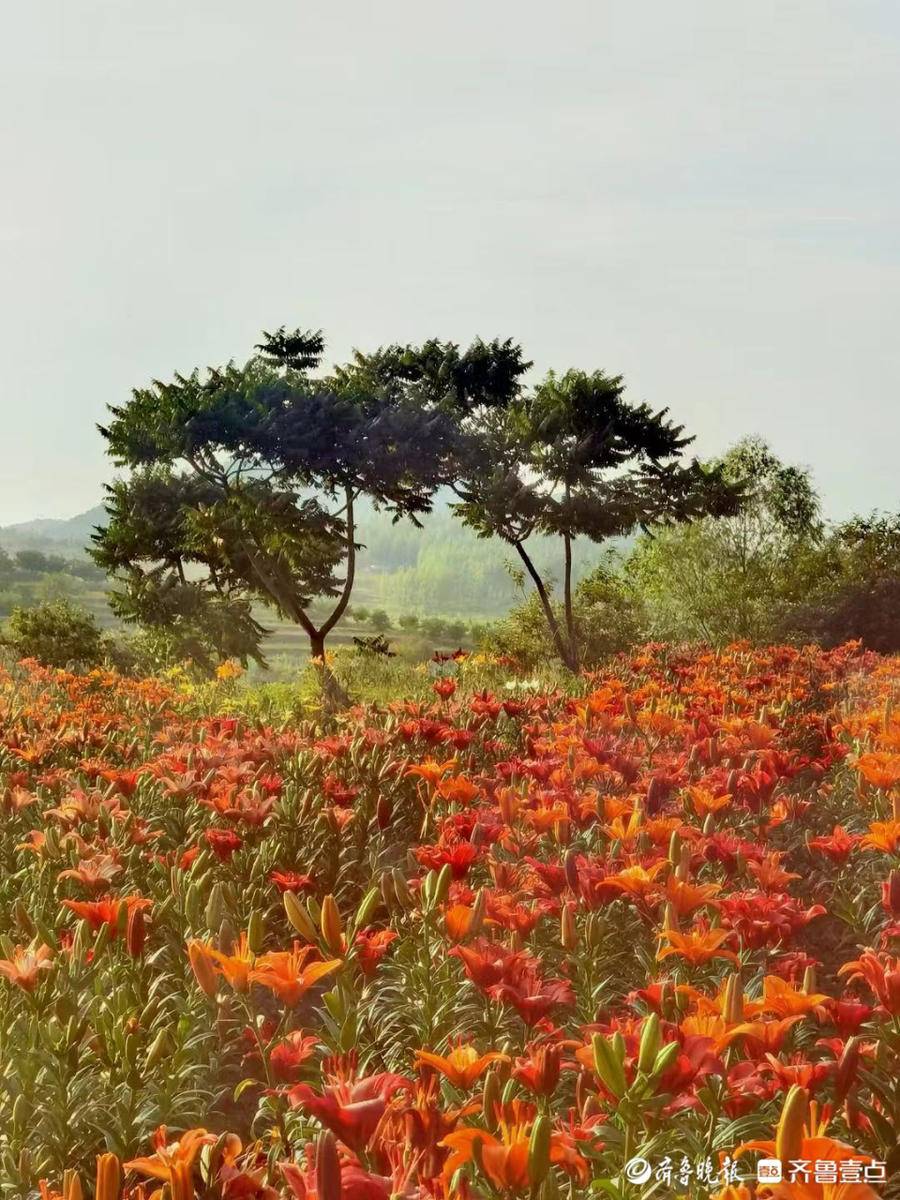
(638, 1170)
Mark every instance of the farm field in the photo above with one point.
(494, 945)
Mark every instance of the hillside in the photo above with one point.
(442, 568)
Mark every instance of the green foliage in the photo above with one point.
(244, 479)
(57, 634)
(608, 615)
(855, 594)
(574, 458)
(733, 577)
(181, 621)
(379, 620)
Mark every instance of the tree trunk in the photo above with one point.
(334, 697)
(570, 612)
(565, 652)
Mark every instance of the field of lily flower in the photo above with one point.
(487, 946)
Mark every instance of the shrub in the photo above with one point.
(865, 610)
(607, 612)
(379, 620)
(57, 634)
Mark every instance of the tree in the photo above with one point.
(573, 458)
(434, 627)
(379, 620)
(32, 561)
(855, 594)
(408, 621)
(245, 479)
(570, 458)
(608, 614)
(732, 577)
(56, 634)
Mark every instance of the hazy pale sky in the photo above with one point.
(700, 195)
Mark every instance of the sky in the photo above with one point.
(700, 196)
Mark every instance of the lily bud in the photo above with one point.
(568, 934)
(215, 907)
(388, 894)
(476, 920)
(789, 1134)
(539, 1150)
(256, 931)
(571, 868)
(330, 924)
(299, 917)
(665, 1058)
(651, 1038)
(404, 896)
(809, 981)
(136, 932)
(328, 1167)
(442, 885)
(733, 1007)
(367, 907)
(890, 894)
(158, 1048)
(72, 1189)
(847, 1070)
(608, 1066)
(203, 969)
(109, 1177)
(490, 1098)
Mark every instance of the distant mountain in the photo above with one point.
(72, 533)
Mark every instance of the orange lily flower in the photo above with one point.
(462, 1066)
(705, 802)
(637, 881)
(881, 973)
(431, 771)
(769, 873)
(716, 1005)
(685, 896)
(24, 967)
(458, 921)
(882, 835)
(765, 1035)
(235, 967)
(800, 1137)
(780, 998)
(627, 834)
(505, 1158)
(287, 974)
(173, 1162)
(456, 789)
(880, 769)
(95, 873)
(698, 946)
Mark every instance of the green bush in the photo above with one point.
(607, 612)
(57, 634)
(379, 620)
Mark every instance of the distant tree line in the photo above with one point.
(31, 564)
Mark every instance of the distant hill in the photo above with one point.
(442, 568)
(49, 533)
